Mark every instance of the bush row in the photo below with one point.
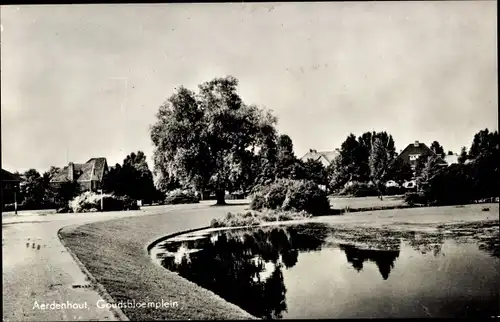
(29, 206)
(291, 195)
(91, 202)
(250, 218)
(364, 189)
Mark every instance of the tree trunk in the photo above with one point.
(380, 195)
(220, 194)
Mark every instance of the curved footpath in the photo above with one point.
(37, 268)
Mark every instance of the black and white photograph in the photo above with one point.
(250, 160)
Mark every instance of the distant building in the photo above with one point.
(415, 151)
(89, 175)
(10, 184)
(325, 157)
(451, 159)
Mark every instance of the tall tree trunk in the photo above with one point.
(220, 194)
(379, 189)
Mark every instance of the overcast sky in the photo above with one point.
(82, 81)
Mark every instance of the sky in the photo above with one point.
(83, 81)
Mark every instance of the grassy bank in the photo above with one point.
(115, 253)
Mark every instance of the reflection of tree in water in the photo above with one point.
(233, 264)
(384, 259)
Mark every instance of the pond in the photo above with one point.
(317, 271)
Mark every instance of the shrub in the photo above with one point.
(276, 194)
(307, 196)
(413, 198)
(359, 189)
(258, 202)
(235, 220)
(91, 202)
(291, 195)
(277, 215)
(179, 196)
(254, 218)
(29, 206)
(391, 191)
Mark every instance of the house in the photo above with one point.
(415, 151)
(89, 175)
(325, 157)
(451, 159)
(10, 185)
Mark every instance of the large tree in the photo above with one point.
(366, 141)
(32, 189)
(288, 166)
(337, 174)
(315, 171)
(484, 141)
(350, 159)
(354, 159)
(380, 161)
(429, 169)
(264, 166)
(438, 149)
(462, 157)
(205, 139)
(484, 155)
(133, 178)
(51, 193)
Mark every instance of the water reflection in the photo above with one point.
(246, 267)
(384, 259)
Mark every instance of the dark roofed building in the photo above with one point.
(325, 157)
(10, 184)
(89, 175)
(415, 151)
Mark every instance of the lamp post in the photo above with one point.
(15, 199)
(102, 199)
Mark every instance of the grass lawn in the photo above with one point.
(115, 253)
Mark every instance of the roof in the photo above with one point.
(419, 148)
(7, 176)
(327, 156)
(93, 170)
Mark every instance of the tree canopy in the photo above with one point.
(209, 139)
(353, 162)
(438, 149)
(133, 178)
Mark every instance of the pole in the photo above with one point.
(15, 201)
(102, 202)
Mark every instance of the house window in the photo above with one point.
(414, 157)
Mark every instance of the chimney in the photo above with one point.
(416, 144)
(71, 171)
